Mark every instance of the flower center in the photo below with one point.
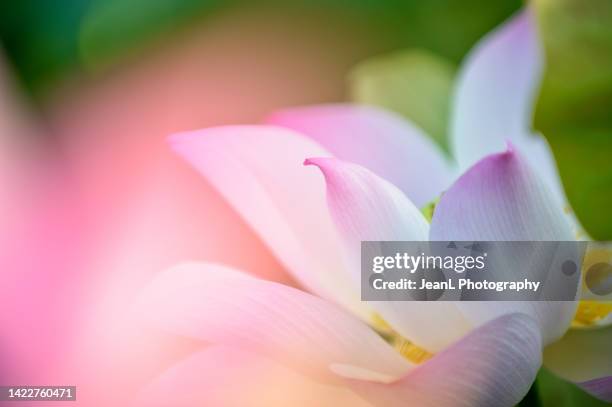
(590, 313)
(410, 351)
(406, 348)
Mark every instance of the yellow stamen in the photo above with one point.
(410, 351)
(407, 349)
(380, 325)
(591, 312)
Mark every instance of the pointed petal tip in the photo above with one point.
(495, 161)
(379, 140)
(320, 162)
(310, 161)
(510, 154)
(521, 27)
(506, 156)
(182, 143)
(525, 21)
(508, 61)
(329, 166)
(176, 138)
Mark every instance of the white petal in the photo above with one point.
(381, 141)
(223, 306)
(367, 207)
(259, 170)
(538, 153)
(495, 96)
(495, 90)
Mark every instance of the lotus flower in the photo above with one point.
(493, 105)
(378, 170)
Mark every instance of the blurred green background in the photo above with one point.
(416, 44)
(49, 42)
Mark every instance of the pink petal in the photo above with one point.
(258, 169)
(363, 203)
(492, 366)
(500, 198)
(221, 376)
(367, 207)
(381, 141)
(224, 306)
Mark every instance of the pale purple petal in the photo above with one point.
(495, 92)
(502, 199)
(381, 141)
(223, 306)
(492, 366)
(600, 388)
(499, 198)
(367, 207)
(259, 170)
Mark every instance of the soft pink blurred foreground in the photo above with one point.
(89, 221)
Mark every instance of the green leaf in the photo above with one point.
(573, 110)
(556, 392)
(414, 83)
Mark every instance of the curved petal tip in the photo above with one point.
(323, 163)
